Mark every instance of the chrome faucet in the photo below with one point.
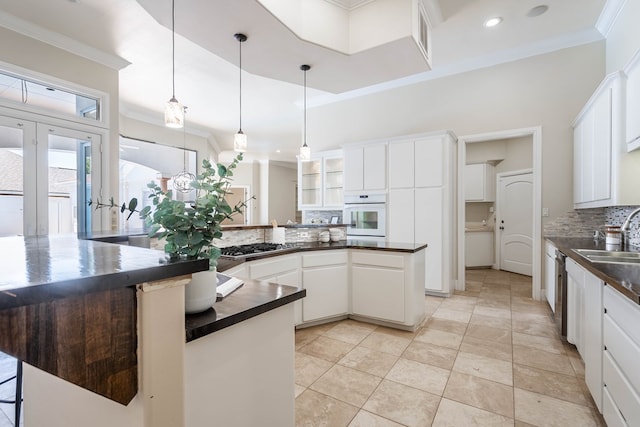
(624, 230)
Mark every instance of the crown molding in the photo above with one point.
(60, 41)
(607, 18)
(349, 5)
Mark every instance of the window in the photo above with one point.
(29, 92)
(142, 162)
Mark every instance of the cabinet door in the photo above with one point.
(429, 162)
(378, 292)
(575, 303)
(478, 248)
(592, 320)
(375, 167)
(578, 164)
(400, 216)
(428, 229)
(600, 170)
(310, 184)
(401, 164)
(633, 103)
(353, 169)
(474, 182)
(327, 292)
(550, 280)
(332, 182)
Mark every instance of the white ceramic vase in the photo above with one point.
(200, 293)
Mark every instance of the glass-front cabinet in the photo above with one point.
(320, 181)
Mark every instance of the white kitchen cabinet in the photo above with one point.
(575, 304)
(283, 270)
(422, 213)
(621, 372)
(365, 167)
(388, 287)
(478, 248)
(632, 70)
(604, 173)
(325, 276)
(550, 274)
(592, 320)
(400, 211)
(320, 181)
(584, 323)
(401, 164)
(480, 183)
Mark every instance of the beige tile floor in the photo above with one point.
(489, 356)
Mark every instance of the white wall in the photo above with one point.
(282, 193)
(547, 90)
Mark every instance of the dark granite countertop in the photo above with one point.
(41, 269)
(625, 278)
(251, 299)
(318, 246)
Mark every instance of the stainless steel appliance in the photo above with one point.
(366, 216)
(560, 314)
(253, 249)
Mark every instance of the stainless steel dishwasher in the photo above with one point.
(560, 314)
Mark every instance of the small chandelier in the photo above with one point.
(183, 179)
(173, 110)
(240, 139)
(305, 151)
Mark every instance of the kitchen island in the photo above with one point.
(102, 331)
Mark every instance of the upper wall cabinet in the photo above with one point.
(633, 103)
(480, 183)
(320, 181)
(604, 174)
(365, 168)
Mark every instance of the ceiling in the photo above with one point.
(135, 37)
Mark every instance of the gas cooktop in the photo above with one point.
(243, 251)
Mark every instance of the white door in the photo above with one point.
(515, 223)
(46, 178)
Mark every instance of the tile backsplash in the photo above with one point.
(583, 222)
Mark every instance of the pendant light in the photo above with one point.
(173, 110)
(182, 180)
(240, 139)
(305, 151)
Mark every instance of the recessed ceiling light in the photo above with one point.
(492, 22)
(537, 11)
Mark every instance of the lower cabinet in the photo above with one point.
(388, 288)
(383, 287)
(325, 276)
(621, 372)
(378, 286)
(584, 323)
(478, 248)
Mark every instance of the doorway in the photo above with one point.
(533, 134)
(47, 176)
(514, 199)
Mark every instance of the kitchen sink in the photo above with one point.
(611, 257)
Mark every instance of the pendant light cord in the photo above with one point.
(305, 107)
(173, 47)
(240, 78)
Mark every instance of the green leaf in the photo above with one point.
(133, 204)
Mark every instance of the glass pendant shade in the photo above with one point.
(174, 114)
(240, 142)
(305, 153)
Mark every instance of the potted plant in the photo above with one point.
(189, 229)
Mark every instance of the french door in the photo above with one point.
(47, 176)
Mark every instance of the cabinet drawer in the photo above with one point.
(625, 313)
(610, 411)
(624, 351)
(324, 258)
(622, 393)
(273, 266)
(382, 259)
